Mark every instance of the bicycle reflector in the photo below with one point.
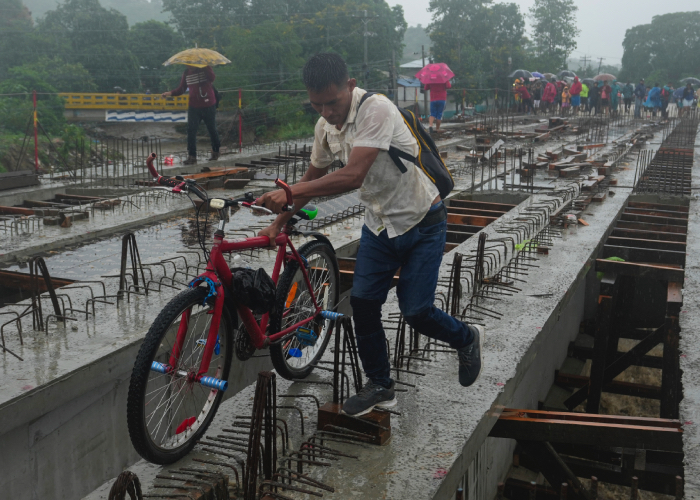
(217, 203)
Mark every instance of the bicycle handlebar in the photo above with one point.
(178, 185)
(288, 191)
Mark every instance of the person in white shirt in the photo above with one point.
(405, 223)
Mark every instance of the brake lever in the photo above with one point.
(255, 207)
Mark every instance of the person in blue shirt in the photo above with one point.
(639, 93)
(688, 97)
(653, 101)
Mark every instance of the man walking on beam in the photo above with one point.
(405, 223)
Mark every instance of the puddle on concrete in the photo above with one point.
(162, 240)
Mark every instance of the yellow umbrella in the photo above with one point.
(197, 57)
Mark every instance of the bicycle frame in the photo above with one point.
(218, 273)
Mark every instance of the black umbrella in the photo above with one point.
(691, 80)
(566, 73)
(520, 73)
(588, 81)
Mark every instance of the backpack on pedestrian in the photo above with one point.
(428, 159)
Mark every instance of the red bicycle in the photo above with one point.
(183, 365)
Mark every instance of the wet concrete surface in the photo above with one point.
(689, 341)
(443, 425)
(90, 355)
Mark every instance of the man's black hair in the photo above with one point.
(323, 70)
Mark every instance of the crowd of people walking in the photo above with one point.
(602, 97)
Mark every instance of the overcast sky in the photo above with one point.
(602, 22)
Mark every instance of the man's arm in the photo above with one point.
(341, 181)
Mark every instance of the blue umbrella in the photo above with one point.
(537, 74)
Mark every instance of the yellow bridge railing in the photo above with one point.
(143, 102)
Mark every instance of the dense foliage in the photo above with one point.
(667, 49)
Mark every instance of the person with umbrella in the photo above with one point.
(575, 92)
(435, 78)
(688, 97)
(614, 96)
(197, 79)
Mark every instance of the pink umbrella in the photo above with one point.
(435, 73)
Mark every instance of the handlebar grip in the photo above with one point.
(288, 191)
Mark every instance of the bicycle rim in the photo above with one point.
(175, 407)
(297, 351)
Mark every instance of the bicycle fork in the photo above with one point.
(209, 346)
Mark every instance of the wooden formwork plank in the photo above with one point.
(649, 235)
(678, 246)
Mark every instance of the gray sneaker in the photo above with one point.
(470, 358)
(370, 395)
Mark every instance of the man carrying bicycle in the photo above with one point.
(405, 223)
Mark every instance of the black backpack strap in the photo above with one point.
(395, 153)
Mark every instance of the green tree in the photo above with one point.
(554, 32)
(64, 77)
(16, 34)
(152, 43)
(666, 48)
(18, 109)
(203, 21)
(479, 40)
(96, 38)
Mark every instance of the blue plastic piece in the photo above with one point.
(214, 383)
(331, 315)
(295, 353)
(159, 367)
(217, 347)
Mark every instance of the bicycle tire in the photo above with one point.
(289, 297)
(144, 379)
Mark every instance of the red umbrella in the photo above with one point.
(435, 73)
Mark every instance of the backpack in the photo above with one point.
(428, 159)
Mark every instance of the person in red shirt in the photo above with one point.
(575, 93)
(548, 95)
(438, 99)
(202, 106)
(525, 97)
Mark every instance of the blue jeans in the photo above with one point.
(436, 109)
(638, 107)
(418, 253)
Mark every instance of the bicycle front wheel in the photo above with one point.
(168, 412)
(295, 357)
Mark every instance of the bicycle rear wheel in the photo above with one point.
(295, 357)
(168, 412)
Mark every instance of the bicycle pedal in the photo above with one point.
(306, 336)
